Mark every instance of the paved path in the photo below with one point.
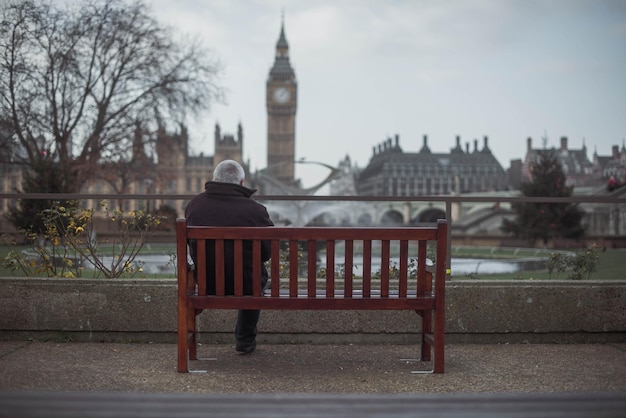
(338, 369)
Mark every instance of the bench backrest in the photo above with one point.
(401, 252)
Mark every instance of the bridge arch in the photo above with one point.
(330, 218)
(391, 217)
(429, 215)
(364, 219)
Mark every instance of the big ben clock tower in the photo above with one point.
(281, 95)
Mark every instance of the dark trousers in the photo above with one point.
(245, 330)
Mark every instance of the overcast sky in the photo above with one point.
(371, 69)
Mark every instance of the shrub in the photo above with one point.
(580, 265)
(68, 240)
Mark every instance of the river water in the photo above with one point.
(161, 264)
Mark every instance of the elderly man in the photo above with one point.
(226, 202)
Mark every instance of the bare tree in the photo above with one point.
(75, 81)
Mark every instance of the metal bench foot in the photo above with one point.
(202, 359)
(422, 372)
(420, 362)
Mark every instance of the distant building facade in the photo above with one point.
(174, 170)
(169, 169)
(10, 181)
(393, 172)
(577, 167)
(611, 166)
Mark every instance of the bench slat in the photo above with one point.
(256, 267)
(311, 267)
(367, 267)
(314, 233)
(275, 263)
(202, 266)
(404, 261)
(384, 268)
(293, 267)
(330, 268)
(349, 268)
(238, 267)
(421, 267)
(304, 302)
(219, 268)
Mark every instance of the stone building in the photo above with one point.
(173, 170)
(576, 166)
(393, 172)
(613, 165)
(10, 182)
(187, 174)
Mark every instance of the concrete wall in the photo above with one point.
(477, 311)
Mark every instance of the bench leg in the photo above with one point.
(187, 344)
(182, 340)
(439, 343)
(427, 329)
(426, 342)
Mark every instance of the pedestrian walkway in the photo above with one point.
(338, 369)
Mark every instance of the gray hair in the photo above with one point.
(229, 171)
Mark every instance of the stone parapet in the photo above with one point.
(477, 311)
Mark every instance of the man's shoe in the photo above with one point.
(245, 348)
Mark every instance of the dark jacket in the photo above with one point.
(226, 204)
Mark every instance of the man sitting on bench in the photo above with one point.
(226, 202)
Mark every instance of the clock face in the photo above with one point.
(281, 95)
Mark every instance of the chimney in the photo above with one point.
(476, 145)
(486, 142)
(397, 140)
(425, 146)
(529, 144)
(563, 143)
(218, 133)
(458, 141)
(467, 147)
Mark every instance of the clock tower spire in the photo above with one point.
(281, 95)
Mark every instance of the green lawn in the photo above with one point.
(610, 266)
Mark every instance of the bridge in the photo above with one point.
(470, 213)
(328, 213)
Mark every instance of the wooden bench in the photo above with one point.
(403, 249)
